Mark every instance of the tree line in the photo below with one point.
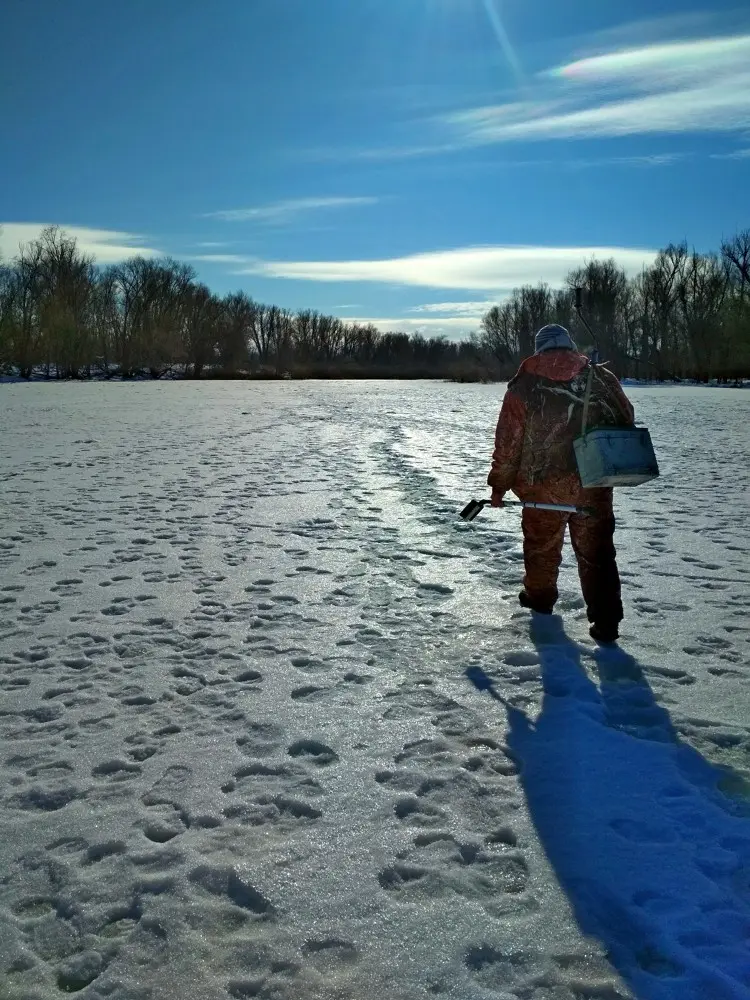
(686, 317)
(62, 316)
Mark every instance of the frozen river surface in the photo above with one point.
(241, 756)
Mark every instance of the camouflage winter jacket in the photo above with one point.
(542, 414)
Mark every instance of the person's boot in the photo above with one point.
(527, 602)
(605, 633)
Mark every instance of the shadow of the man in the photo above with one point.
(652, 856)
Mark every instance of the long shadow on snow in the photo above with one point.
(654, 859)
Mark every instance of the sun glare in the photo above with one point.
(493, 13)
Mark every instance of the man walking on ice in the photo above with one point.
(540, 417)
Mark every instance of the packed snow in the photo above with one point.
(274, 725)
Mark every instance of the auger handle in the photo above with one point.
(475, 507)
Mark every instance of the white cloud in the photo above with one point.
(646, 160)
(107, 246)
(403, 152)
(484, 268)
(671, 62)
(705, 108)
(284, 211)
(409, 152)
(454, 327)
(738, 154)
(686, 86)
(458, 309)
(219, 258)
(657, 30)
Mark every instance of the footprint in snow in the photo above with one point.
(260, 739)
(410, 809)
(441, 589)
(309, 692)
(234, 886)
(258, 777)
(318, 753)
(116, 770)
(327, 954)
(501, 968)
(280, 811)
(439, 866)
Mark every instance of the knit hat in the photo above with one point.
(553, 336)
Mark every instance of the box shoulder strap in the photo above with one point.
(587, 398)
(611, 396)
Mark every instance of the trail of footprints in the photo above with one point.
(488, 868)
(65, 916)
(84, 682)
(455, 798)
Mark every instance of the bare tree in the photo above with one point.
(736, 335)
(261, 334)
(534, 309)
(701, 294)
(235, 330)
(126, 284)
(281, 333)
(22, 310)
(498, 336)
(605, 287)
(359, 342)
(317, 337)
(200, 311)
(736, 256)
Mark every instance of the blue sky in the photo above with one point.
(403, 161)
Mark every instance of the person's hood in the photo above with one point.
(558, 365)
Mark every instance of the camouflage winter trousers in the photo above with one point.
(592, 538)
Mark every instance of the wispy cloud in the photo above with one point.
(660, 87)
(737, 154)
(457, 309)
(683, 86)
(659, 29)
(392, 152)
(483, 268)
(107, 246)
(670, 62)
(449, 326)
(646, 161)
(282, 212)
(412, 152)
(219, 258)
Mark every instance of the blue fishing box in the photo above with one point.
(615, 456)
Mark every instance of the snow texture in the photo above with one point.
(274, 726)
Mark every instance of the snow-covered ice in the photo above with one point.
(273, 724)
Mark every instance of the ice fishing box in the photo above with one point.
(615, 456)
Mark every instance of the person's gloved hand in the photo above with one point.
(497, 497)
